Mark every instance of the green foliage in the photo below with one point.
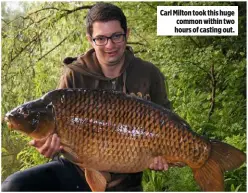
(12, 144)
(205, 76)
(28, 157)
(175, 179)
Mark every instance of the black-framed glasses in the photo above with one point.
(103, 40)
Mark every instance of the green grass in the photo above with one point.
(175, 179)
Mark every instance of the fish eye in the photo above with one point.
(20, 110)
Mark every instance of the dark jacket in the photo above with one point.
(137, 76)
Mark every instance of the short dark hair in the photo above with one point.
(105, 12)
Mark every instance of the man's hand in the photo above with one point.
(159, 163)
(47, 146)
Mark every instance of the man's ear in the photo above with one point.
(89, 39)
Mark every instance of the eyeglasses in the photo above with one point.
(103, 40)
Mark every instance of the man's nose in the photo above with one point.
(109, 44)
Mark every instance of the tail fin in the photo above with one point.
(223, 157)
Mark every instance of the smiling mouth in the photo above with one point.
(112, 53)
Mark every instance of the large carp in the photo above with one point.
(108, 131)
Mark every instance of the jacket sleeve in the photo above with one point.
(158, 89)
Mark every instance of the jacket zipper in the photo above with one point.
(114, 84)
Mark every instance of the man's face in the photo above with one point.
(112, 53)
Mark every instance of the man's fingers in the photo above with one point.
(164, 164)
(45, 147)
(37, 142)
(159, 163)
(166, 167)
(32, 143)
(160, 166)
(155, 160)
(151, 166)
(54, 146)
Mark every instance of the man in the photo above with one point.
(109, 65)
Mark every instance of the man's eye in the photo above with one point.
(116, 36)
(100, 39)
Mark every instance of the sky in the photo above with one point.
(13, 5)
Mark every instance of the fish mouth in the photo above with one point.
(8, 121)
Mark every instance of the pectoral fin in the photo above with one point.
(97, 180)
(70, 155)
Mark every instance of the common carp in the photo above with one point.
(107, 131)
